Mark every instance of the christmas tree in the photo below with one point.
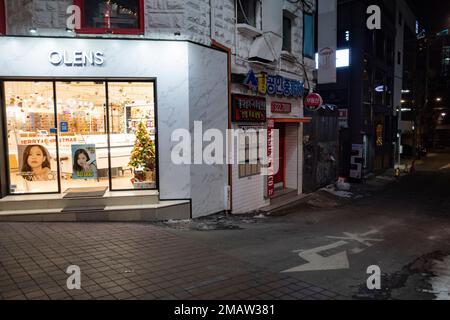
(143, 156)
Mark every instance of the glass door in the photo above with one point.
(31, 134)
(83, 143)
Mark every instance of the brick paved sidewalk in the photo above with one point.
(130, 261)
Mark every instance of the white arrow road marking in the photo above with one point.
(361, 238)
(445, 167)
(317, 262)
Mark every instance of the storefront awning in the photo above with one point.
(292, 120)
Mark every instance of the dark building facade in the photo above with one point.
(433, 117)
(366, 86)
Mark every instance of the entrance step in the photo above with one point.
(164, 210)
(282, 195)
(286, 200)
(57, 201)
(137, 205)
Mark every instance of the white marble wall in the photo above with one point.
(208, 100)
(191, 85)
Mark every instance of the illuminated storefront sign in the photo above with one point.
(249, 109)
(274, 85)
(313, 102)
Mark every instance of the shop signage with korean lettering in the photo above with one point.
(249, 109)
(313, 102)
(280, 107)
(270, 176)
(275, 85)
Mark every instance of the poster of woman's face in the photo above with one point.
(84, 162)
(34, 162)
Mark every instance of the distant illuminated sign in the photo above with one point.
(381, 88)
(342, 58)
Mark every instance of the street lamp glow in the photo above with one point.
(402, 101)
(438, 99)
(443, 114)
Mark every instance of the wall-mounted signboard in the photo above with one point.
(248, 108)
(280, 107)
(274, 85)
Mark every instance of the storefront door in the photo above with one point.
(80, 134)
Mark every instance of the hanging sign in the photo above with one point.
(327, 42)
(248, 109)
(313, 102)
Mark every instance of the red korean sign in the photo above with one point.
(248, 108)
(270, 176)
(281, 107)
(313, 101)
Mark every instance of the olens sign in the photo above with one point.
(249, 108)
(313, 102)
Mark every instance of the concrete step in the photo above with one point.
(282, 195)
(165, 210)
(49, 201)
(286, 202)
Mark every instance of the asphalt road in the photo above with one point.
(403, 228)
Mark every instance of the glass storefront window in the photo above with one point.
(133, 134)
(32, 147)
(96, 134)
(83, 139)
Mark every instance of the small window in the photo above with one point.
(308, 36)
(287, 33)
(246, 12)
(2, 18)
(117, 17)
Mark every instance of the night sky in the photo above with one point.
(433, 14)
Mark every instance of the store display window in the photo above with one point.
(111, 16)
(75, 134)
